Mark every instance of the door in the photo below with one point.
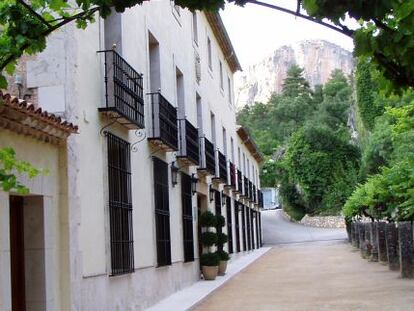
(17, 254)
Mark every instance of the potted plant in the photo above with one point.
(209, 265)
(223, 257)
(221, 240)
(209, 261)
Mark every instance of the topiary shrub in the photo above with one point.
(223, 255)
(207, 219)
(221, 238)
(209, 259)
(221, 221)
(208, 238)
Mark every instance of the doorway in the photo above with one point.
(27, 253)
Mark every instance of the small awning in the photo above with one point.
(26, 119)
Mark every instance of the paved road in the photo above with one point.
(311, 269)
(278, 230)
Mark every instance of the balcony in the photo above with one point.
(260, 198)
(207, 157)
(124, 100)
(232, 170)
(189, 150)
(164, 131)
(246, 188)
(239, 182)
(254, 195)
(222, 169)
(250, 191)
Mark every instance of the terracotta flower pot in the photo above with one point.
(209, 272)
(222, 267)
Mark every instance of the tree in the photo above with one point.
(295, 84)
(385, 33)
(366, 88)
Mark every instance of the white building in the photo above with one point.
(270, 198)
(157, 145)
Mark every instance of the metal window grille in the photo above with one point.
(249, 228)
(237, 226)
(188, 235)
(232, 175)
(244, 227)
(120, 205)
(217, 205)
(229, 225)
(162, 212)
(246, 187)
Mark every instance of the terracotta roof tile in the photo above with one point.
(36, 112)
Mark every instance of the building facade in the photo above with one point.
(151, 91)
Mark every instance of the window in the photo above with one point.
(232, 149)
(162, 212)
(180, 93)
(188, 236)
(237, 226)
(221, 76)
(120, 205)
(224, 142)
(217, 206)
(195, 28)
(229, 90)
(229, 225)
(244, 226)
(210, 62)
(213, 127)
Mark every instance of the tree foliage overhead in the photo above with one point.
(385, 32)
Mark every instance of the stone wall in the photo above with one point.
(323, 221)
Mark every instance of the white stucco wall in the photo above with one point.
(77, 71)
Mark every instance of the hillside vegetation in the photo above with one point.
(319, 167)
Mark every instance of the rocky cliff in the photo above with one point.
(317, 57)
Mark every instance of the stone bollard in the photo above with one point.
(391, 237)
(353, 235)
(406, 249)
(374, 242)
(367, 241)
(356, 234)
(361, 232)
(381, 242)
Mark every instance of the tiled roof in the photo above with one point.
(25, 118)
(223, 39)
(249, 142)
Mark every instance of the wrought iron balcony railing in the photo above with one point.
(124, 98)
(260, 198)
(207, 156)
(250, 191)
(189, 142)
(254, 194)
(239, 182)
(246, 187)
(232, 169)
(164, 131)
(222, 167)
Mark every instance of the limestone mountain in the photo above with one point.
(318, 58)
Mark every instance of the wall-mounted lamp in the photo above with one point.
(211, 193)
(174, 174)
(194, 181)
